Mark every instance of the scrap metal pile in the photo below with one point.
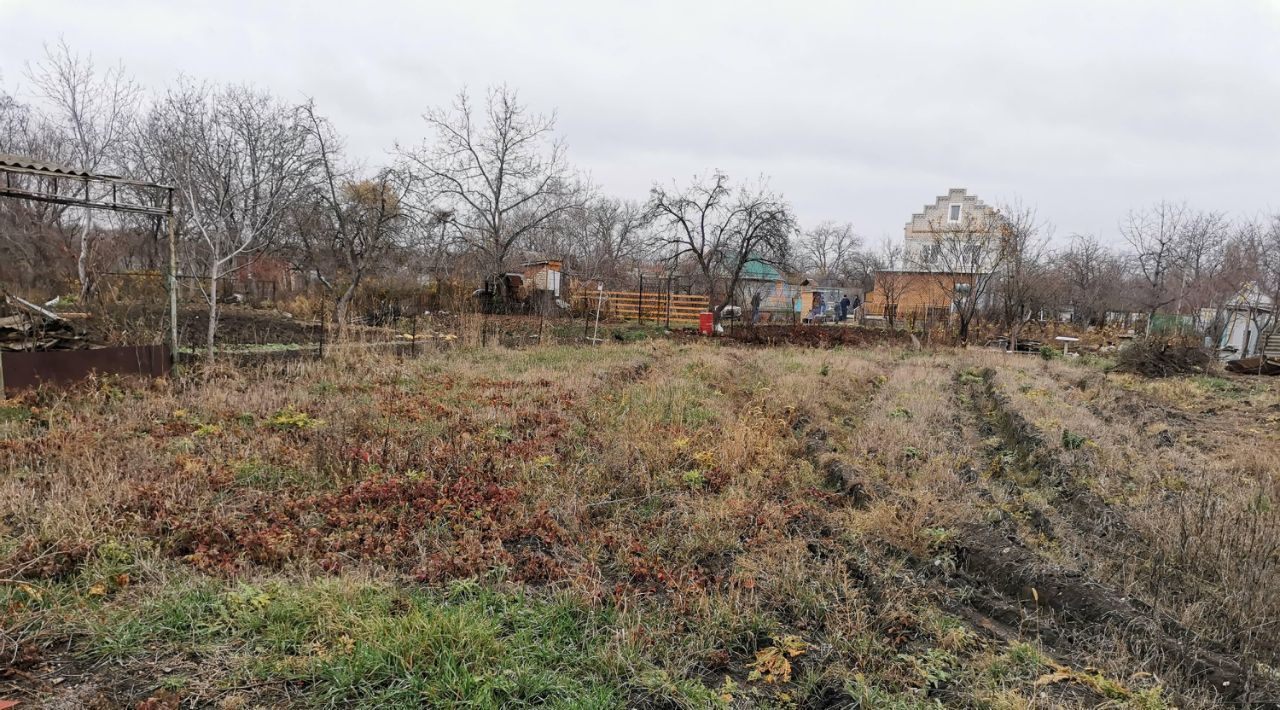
(35, 327)
(1259, 365)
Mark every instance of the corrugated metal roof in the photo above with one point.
(24, 163)
(19, 163)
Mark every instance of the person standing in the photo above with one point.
(818, 309)
(844, 309)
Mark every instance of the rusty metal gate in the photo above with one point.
(24, 370)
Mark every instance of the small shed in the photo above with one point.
(1249, 316)
(544, 275)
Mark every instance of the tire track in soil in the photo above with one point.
(816, 447)
(1012, 584)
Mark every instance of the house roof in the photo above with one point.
(760, 271)
(1250, 297)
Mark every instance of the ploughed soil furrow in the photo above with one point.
(816, 336)
(816, 445)
(1025, 449)
(1070, 611)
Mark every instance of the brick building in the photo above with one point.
(946, 245)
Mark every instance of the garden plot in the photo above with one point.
(654, 524)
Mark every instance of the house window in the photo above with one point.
(953, 213)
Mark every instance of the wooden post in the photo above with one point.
(173, 284)
(669, 299)
(323, 317)
(640, 302)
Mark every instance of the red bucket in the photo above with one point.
(706, 322)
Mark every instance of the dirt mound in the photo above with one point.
(817, 336)
(1164, 358)
(247, 326)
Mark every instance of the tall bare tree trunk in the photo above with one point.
(213, 308)
(1015, 329)
(82, 261)
(342, 305)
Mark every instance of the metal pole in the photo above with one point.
(640, 302)
(599, 301)
(173, 284)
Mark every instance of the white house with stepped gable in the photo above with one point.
(955, 216)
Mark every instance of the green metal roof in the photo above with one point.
(756, 269)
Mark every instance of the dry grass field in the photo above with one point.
(652, 524)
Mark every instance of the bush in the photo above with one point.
(1164, 357)
(1071, 440)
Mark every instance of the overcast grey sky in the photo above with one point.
(857, 111)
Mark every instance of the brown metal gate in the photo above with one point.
(24, 370)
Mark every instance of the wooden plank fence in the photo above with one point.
(938, 314)
(644, 306)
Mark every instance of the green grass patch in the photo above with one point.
(14, 413)
(1222, 386)
(367, 645)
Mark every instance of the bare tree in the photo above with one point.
(15, 123)
(1246, 277)
(357, 221)
(829, 250)
(1222, 263)
(440, 239)
(1092, 275)
(94, 109)
(240, 158)
(722, 230)
(607, 238)
(1201, 241)
(500, 171)
(1269, 268)
(1155, 235)
(1021, 279)
(36, 249)
(965, 259)
(891, 281)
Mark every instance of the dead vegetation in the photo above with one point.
(1164, 357)
(653, 524)
(816, 337)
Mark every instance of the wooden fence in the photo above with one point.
(934, 314)
(642, 306)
